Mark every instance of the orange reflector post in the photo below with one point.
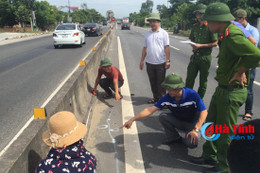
(94, 48)
(100, 41)
(39, 113)
(82, 63)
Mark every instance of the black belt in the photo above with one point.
(201, 54)
(230, 87)
(198, 53)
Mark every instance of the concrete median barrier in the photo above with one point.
(75, 95)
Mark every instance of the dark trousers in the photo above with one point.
(250, 92)
(108, 85)
(170, 124)
(156, 74)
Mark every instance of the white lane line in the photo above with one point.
(42, 106)
(133, 155)
(257, 83)
(174, 47)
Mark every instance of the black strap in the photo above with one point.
(230, 87)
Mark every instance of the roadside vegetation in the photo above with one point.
(180, 12)
(17, 13)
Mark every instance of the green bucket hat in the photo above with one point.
(173, 81)
(240, 13)
(200, 8)
(218, 12)
(154, 16)
(105, 62)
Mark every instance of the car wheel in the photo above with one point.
(56, 46)
(84, 41)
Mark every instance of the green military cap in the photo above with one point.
(105, 62)
(240, 13)
(173, 81)
(218, 12)
(200, 8)
(154, 16)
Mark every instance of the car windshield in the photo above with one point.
(66, 27)
(125, 23)
(90, 25)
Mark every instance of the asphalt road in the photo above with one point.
(29, 72)
(157, 158)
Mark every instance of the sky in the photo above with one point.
(121, 8)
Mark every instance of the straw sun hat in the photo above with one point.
(64, 130)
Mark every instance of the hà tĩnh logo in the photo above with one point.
(212, 132)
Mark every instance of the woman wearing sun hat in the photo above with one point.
(67, 153)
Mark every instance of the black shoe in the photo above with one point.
(202, 161)
(213, 170)
(170, 142)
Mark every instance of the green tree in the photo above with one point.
(181, 15)
(164, 11)
(147, 7)
(7, 17)
(47, 16)
(22, 14)
(79, 16)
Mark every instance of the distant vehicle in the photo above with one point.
(92, 29)
(125, 26)
(119, 22)
(68, 34)
(125, 20)
(104, 22)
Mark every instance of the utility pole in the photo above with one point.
(69, 19)
(32, 15)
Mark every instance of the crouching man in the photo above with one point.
(187, 112)
(113, 79)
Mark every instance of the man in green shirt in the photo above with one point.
(201, 59)
(236, 55)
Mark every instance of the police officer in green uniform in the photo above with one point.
(236, 55)
(201, 59)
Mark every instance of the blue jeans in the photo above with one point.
(250, 92)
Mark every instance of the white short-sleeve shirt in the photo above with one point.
(155, 43)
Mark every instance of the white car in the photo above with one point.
(68, 34)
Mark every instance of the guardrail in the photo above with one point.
(24, 154)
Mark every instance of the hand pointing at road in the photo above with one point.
(128, 124)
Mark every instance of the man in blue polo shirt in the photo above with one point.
(187, 112)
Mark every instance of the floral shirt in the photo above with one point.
(72, 159)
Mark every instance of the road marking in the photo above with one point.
(133, 155)
(257, 83)
(43, 105)
(113, 140)
(174, 47)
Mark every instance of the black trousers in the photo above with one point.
(108, 84)
(156, 74)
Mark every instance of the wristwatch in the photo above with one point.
(196, 130)
(168, 60)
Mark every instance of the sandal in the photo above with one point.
(106, 96)
(247, 117)
(152, 101)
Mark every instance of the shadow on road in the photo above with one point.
(34, 160)
(174, 156)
